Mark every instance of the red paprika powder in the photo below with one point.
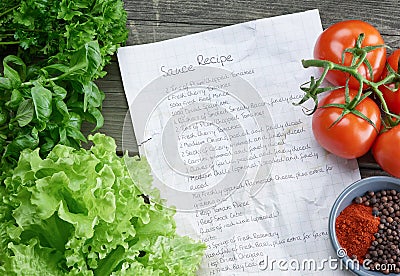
(355, 229)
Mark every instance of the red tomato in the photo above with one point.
(386, 151)
(342, 35)
(352, 136)
(392, 98)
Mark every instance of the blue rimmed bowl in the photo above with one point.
(358, 188)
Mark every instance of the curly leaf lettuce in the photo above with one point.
(79, 212)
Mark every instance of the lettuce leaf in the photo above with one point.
(32, 259)
(80, 212)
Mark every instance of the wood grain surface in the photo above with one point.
(157, 20)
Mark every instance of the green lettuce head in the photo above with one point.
(80, 212)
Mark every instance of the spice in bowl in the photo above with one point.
(355, 229)
(369, 230)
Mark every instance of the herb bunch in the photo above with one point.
(47, 88)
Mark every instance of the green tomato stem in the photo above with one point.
(379, 94)
(323, 75)
(359, 55)
(388, 79)
(328, 64)
(360, 60)
(352, 70)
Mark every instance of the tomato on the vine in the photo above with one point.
(351, 136)
(342, 35)
(386, 151)
(391, 92)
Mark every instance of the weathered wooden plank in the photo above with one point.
(209, 11)
(368, 172)
(222, 12)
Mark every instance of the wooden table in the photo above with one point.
(157, 20)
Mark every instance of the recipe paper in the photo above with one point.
(213, 114)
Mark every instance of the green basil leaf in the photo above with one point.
(70, 134)
(62, 108)
(93, 96)
(32, 72)
(86, 61)
(76, 134)
(56, 67)
(75, 121)
(4, 116)
(40, 125)
(93, 56)
(63, 136)
(15, 100)
(35, 133)
(25, 113)
(99, 119)
(60, 92)
(11, 73)
(5, 83)
(42, 101)
(22, 141)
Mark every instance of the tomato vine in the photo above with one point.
(359, 57)
(363, 94)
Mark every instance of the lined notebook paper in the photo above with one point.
(213, 113)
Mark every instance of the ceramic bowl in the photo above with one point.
(358, 188)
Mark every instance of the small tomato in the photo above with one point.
(389, 91)
(342, 35)
(351, 136)
(385, 151)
